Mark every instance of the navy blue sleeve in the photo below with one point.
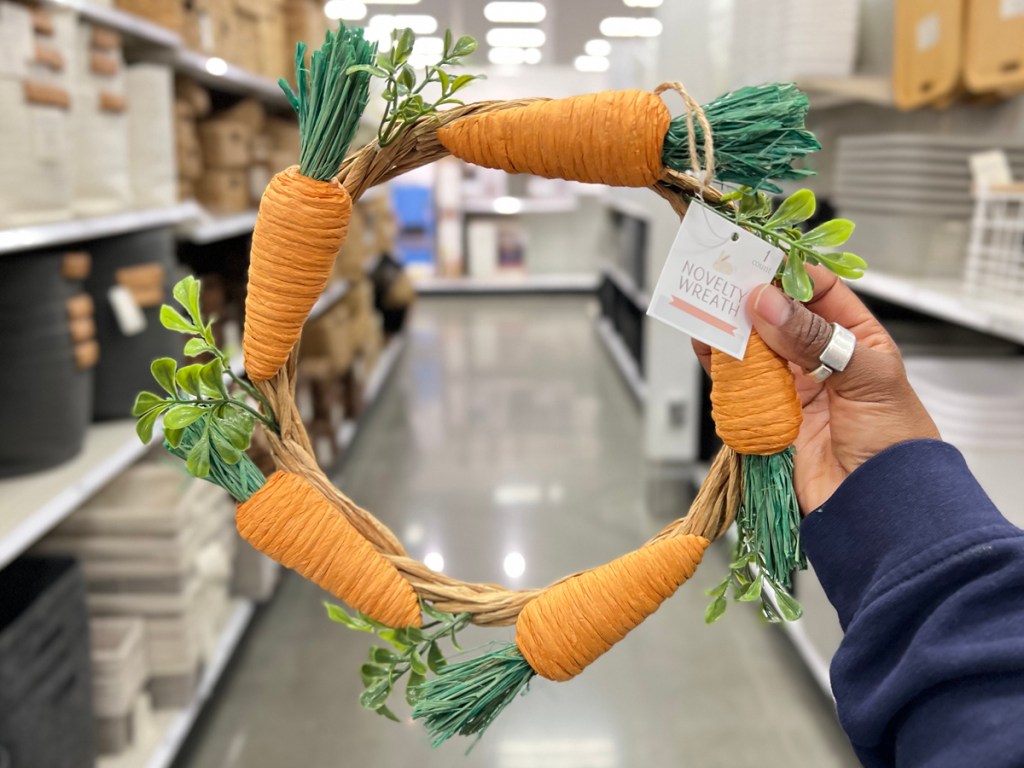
(928, 580)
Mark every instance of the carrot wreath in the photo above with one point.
(749, 137)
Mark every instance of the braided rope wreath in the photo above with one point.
(298, 517)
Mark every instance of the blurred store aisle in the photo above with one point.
(506, 430)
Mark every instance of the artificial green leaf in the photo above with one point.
(385, 712)
(341, 616)
(211, 377)
(464, 46)
(455, 642)
(447, 47)
(369, 68)
(407, 78)
(795, 280)
(720, 589)
(147, 401)
(236, 434)
(753, 592)
(462, 81)
(413, 635)
(383, 656)
(173, 436)
(715, 610)
(848, 265)
(416, 663)
(385, 63)
(395, 637)
(435, 659)
(196, 347)
(180, 416)
(828, 235)
(433, 612)
(198, 461)
(412, 688)
(173, 321)
(796, 208)
(369, 673)
(754, 204)
(180, 290)
(788, 607)
(224, 447)
(144, 426)
(188, 378)
(376, 695)
(163, 370)
(741, 561)
(444, 78)
(403, 46)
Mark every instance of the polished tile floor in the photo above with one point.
(506, 430)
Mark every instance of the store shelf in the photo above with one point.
(829, 92)
(31, 505)
(622, 359)
(509, 284)
(627, 286)
(127, 24)
(77, 230)
(385, 367)
(207, 228)
(234, 80)
(173, 727)
(947, 298)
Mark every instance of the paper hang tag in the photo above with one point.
(130, 318)
(710, 271)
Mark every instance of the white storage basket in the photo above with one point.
(995, 253)
(118, 664)
(154, 172)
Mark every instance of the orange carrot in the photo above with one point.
(573, 622)
(290, 521)
(753, 401)
(300, 228)
(611, 137)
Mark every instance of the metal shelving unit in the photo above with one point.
(233, 80)
(622, 359)
(207, 228)
(127, 24)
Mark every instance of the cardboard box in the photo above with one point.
(192, 93)
(277, 50)
(224, 190)
(188, 149)
(225, 144)
(330, 338)
(284, 136)
(247, 26)
(166, 13)
(261, 148)
(259, 178)
(249, 112)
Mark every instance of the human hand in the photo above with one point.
(852, 415)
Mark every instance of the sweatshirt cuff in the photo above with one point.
(902, 502)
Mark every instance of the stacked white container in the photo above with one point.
(910, 195)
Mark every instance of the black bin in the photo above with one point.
(123, 368)
(46, 717)
(49, 394)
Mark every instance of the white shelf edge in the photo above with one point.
(947, 299)
(830, 92)
(126, 23)
(234, 79)
(622, 359)
(385, 367)
(76, 230)
(512, 284)
(333, 293)
(640, 298)
(45, 517)
(208, 228)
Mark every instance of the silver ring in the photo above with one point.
(836, 355)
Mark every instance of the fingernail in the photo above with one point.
(773, 306)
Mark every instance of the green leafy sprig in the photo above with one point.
(409, 651)
(405, 102)
(197, 394)
(780, 228)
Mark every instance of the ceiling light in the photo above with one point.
(216, 66)
(428, 46)
(421, 24)
(514, 565)
(434, 561)
(515, 37)
(591, 63)
(508, 56)
(630, 26)
(515, 12)
(531, 56)
(597, 48)
(507, 205)
(643, 3)
(391, 2)
(349, 10)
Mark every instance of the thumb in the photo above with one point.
(800, 336)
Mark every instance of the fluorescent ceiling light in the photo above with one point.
(591, 63)
(428, 46)
(515, 37)
(643, 3)
(531, 55)
(421, 24)
(515, 12)
(349, 10)
(507, 205)
(597, 48)
(630, 26)
(514, 565)
(434, 561)
(216, 66)
(507, 56)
